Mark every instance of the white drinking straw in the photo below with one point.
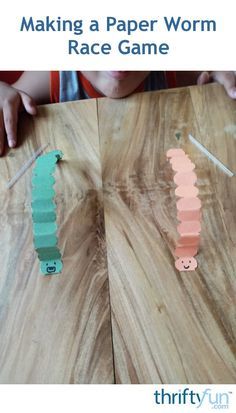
(26, 166)
(210, 156)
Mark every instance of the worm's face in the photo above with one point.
(51, 267)
(186, 264)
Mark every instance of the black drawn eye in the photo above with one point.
(189, 261)
(54, 263)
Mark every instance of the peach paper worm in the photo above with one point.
(188, 210)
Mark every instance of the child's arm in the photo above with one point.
(31, 87)
(227, 79)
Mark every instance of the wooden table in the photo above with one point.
(120, 311)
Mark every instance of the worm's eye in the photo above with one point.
(182, 262)
(189, 261)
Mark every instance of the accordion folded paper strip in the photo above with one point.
(44, 213)
(188, 209)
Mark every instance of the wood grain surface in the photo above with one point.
(56, 329)
(168, 327)
(120, 311)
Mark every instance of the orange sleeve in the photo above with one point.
(54, 87)
(171, 79)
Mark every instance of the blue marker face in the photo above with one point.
(51, 267)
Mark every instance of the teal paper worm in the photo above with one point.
(44, 213)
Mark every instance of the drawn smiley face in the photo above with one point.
(51, 267)
(186, 264)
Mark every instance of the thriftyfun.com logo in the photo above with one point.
(187, 396)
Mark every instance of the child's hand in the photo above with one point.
(227, 79)
(12, 101)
